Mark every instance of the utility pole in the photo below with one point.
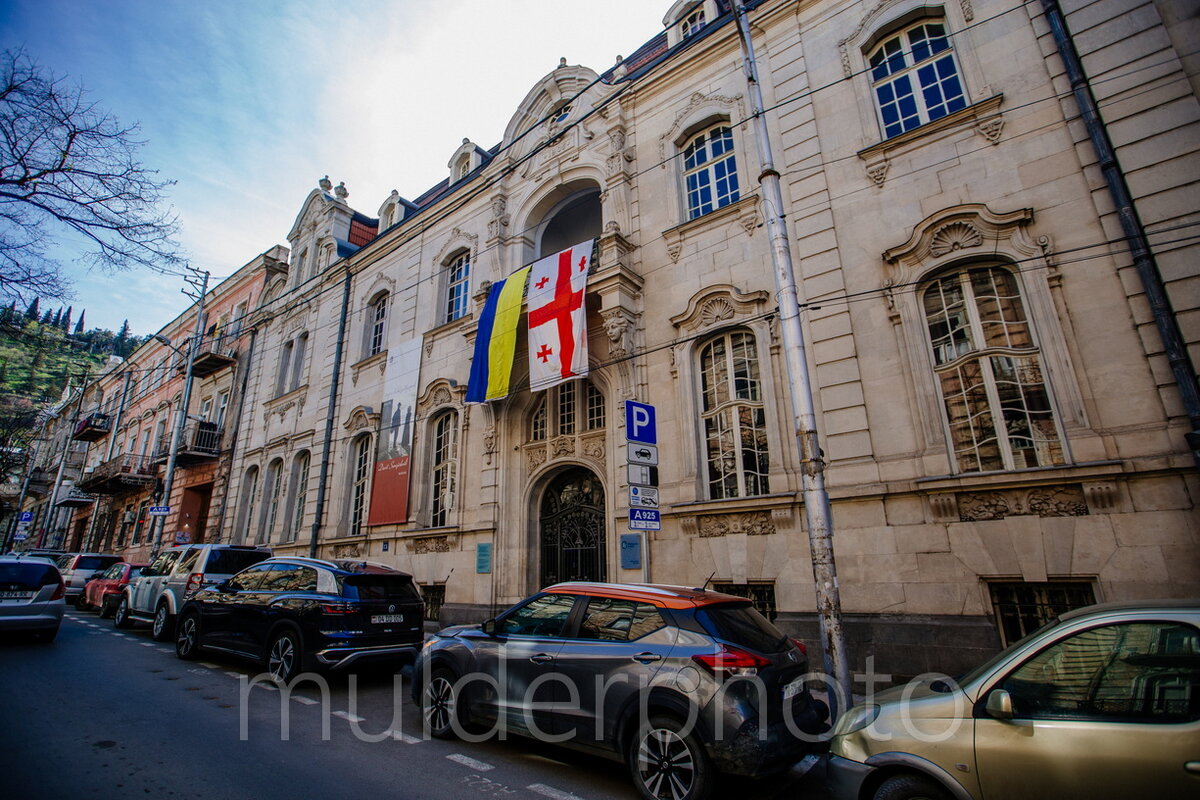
(199, 282)
(817, 512)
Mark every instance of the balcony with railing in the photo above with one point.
(92, 427)
(213, 354)
(201, 441)
(119, 474)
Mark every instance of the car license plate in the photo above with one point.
(15, 595)
(383, 619)
(794, 688)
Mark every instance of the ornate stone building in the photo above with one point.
(1003, 432)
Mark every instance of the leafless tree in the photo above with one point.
(69, 169)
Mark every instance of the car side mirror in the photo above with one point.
(489, 627)
(97, 574)
(227, 586)
(999, 705)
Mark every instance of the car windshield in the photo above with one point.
(27, 575)
(94, 563)
(742, 624)
(1003, 654)
(227, 562)
(379, 587)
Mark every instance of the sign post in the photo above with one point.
(641, 455)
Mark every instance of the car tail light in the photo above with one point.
(60, 592)
(338, 608)
(800, 646)
(728, 661)
(194, 582)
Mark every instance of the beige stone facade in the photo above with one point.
(1003, 435)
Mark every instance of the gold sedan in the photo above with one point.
(1102, 703)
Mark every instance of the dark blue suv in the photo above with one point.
(296, 614)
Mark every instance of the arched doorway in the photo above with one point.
(571, 525)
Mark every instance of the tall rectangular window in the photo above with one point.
(710, 171)
(360, 481)
(734, 418)
(376, 324)
(445, 440)
(915, 78)
(458, 284)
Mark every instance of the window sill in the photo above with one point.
(763, 514)
(745, 211)
(984, 115)
(280, 400)
(378, 360)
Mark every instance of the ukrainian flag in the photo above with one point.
(496, 339)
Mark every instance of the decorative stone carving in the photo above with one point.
(489, 443)
(362, 418)
(955, 236)
(534, 458)
(617, 326)
(753, 523)
(728, 105)
(717, 304)
(498, 224)
(595, 449)
(878, 172)
(1043, 501)
(991, 128)
(968, 10)
(429, 544)
(674, 248)
(353, 550)
(716, 310)
(562, 446)
(1101, 496)
(943, 506)
(341, 191)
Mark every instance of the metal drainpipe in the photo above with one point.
(237, 428)
(331, 416)
(1131, 225)
(817, 512)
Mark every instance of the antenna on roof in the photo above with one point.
(708, 581)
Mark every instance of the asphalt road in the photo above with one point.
(107, 713)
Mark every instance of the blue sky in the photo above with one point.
(246, 103)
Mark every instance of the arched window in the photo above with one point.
(735, 429)
(458, 286)
(360, 481)
(297, 496)
(988, 366)
(247, 501)
(376, 332)
(272, 493)
(915, 77)
(445, 467)
(710, 171)
(567, 409)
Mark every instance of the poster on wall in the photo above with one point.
(397, 418)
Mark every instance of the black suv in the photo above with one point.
(296, 614)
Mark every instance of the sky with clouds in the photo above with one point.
(245, 104)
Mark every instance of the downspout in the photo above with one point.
(1131, 226)
(237, 430)
(331, 415)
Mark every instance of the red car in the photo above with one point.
(104, 591)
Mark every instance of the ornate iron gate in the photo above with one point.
(572, 528)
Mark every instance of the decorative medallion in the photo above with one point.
(955, 236)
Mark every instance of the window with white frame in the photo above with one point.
(567, 409)
(222, 405)
(376, 324)
(692, 23)
(710, 171)
(458, 286)
(246, 504)
(915, 77)
(272, 493)
(291, 364)
(297, 495)
(360, 481)
(988, 366)
(444, 467)
(733, 416)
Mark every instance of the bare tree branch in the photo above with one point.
(66, 166)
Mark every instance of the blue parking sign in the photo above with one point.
(639, 423)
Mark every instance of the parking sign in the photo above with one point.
(639, 423)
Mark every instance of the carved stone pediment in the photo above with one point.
(719, 304)
(362, 418)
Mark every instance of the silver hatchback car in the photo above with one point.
(31, 596)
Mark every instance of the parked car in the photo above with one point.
(298, 614)
(78, 568)
(1102, 703)
(158, 592)
(31, 596)
(680, 683)
(103, 592)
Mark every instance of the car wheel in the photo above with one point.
(106, 609)
(910, 786)
(668, 762)
(284, 656)
(122, 619)
(440, 705)
(81, 603)
(187, 637)
(164, 623)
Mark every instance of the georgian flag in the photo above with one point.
(557, 317)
